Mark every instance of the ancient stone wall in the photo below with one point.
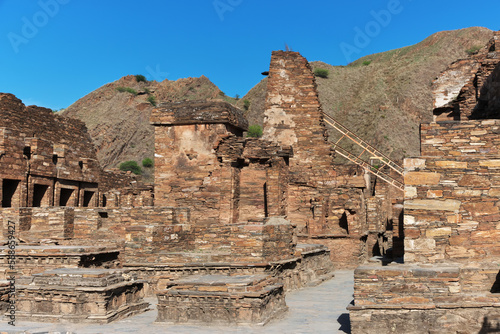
(451, 193)
(449, 282)
(421, 299)
(46, 160)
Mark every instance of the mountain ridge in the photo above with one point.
(381, 97)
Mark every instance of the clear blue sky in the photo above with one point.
(54, 52)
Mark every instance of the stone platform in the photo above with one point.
(425, 298)
(79, 295)
(248, 299)
(34, 259)
(310, 267)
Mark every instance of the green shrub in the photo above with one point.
(131, 166)
(140, 78)
(367, 62)
(127, 89)
(147, 162)
(321, 72)
(246, 104)
(152, 100)
(473, 50)
(254, 131)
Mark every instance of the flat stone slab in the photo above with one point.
(74, 277)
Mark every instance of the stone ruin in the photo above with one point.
(449, 282)
(229, 226)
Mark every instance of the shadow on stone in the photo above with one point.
(345, 323)
(490, 326)
(496, 286)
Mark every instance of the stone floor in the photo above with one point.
(320, 309)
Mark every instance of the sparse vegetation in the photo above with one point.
(246, 104)
(367, 62)
(140, 78)
(254, 131)
(147, 91)
(127, 89)
(152, 99)
(147, 162)
(237, 97)
(473, 50)
(131, 166)
(321, 72)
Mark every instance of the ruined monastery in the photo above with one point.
(232, 223)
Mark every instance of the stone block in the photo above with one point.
(481, 208)
(474, 181)
(493, 164)
(411, 164)
(433, 205)
(410, 192)
(434, 193)
(422, 178)
(452, 164)
(438, 232)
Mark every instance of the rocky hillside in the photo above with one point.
(384, 97)
(117, 114)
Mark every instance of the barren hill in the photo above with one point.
(384, 97)
(117, 114)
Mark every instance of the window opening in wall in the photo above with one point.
(87, 198)
(80, 163)
(27, 152)
(54, 159)
(65, 196)
(344, 223)
(104, 201)
(39, 193)
(103, 214)
(9, 188)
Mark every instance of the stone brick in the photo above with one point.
(434, 193)
(451, 164)
(411, 164)
(481, 209)
(439, 232)
(475, 181)
(418, 178)
(433, 205)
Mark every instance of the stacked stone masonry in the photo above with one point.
(76, 295)
(249, 299)
(450, 280)
(221, 204)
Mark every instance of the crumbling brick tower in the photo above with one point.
(293, 117)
